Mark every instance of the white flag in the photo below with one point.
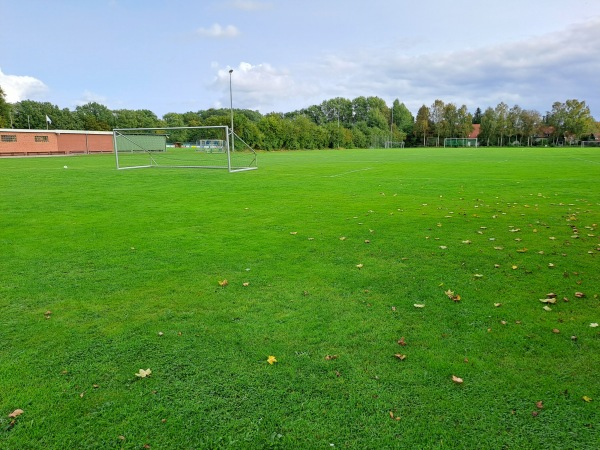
(48, 119)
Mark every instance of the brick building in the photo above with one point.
(53, 142)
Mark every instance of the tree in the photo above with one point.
(5, 111)
(477, 116)
(436, 115)
(501, 112)
(422, 127)
(403, 118)
(464, 122)
(94, 116)
(514, 124)
(572, 119)
(530, 122)
(487, 130)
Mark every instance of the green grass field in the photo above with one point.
(326, 254)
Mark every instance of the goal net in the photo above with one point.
(214, 147)
(590, 143)
(460, 142)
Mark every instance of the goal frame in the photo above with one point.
(590, 143)
(460, 142)
(228, 141)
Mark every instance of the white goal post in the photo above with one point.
(207, 147)
(460, 142)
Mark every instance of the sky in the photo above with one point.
(175, 55)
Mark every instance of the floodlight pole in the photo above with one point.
(231, 108)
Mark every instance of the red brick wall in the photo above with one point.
(57, 142)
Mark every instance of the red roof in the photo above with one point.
(476, 130)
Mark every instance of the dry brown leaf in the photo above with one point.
(401, 341)
(555, 330)
(579, 294)
(539, 405)
(16, 413)
(457, 380)
(400, 356)
(548, 300)
(393, 417)
(223, 283)
(330, 357)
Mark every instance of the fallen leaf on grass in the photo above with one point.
(594, 325)
(497, 305)
(393, 417)
(360, 266)
(555, 330)
(400, 356)
(540, 404)
(16, 413)
(419, 305)
(586, 399)
(548, 300)
(223, 283)
(330, 357)
(401, 341)
(246, 284)
(143, 373)
(271, 360)
(452, 296)
(293, 232)
(579, 294)
(457, 380)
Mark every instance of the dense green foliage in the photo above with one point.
(364, 122)
(97, 263)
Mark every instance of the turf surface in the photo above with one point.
(325, 254)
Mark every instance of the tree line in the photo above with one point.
(363, 122)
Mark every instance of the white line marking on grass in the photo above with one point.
(587, 160)
(350, 171)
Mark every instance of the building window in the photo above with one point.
(8, 138)
(41, 139)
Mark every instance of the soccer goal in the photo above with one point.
(590, 143)
(208, 147)
(460, 142)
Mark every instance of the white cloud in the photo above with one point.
(533, 72)
(261, 86)
(90, 97)
(218, 31)
(21, 87)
